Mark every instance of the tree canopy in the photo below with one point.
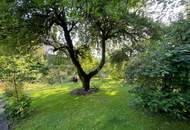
(80, 23)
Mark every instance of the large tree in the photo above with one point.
(85, 23)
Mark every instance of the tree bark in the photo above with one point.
(102, 62)
(86, 84)
(15, 87)
(84, 77)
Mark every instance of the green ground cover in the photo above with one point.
(109, 109)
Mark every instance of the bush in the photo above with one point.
(174, 104)
(13, 91)
(17, 104)
(56, 74)
(163, 73)
(18, 109)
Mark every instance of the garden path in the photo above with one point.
(3, 120)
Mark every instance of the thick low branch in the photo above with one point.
(131, 35)
(60, 48)
(102, 62)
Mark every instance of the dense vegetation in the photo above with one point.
(136, 60)
(162, 72)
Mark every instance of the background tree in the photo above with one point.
(90, 23)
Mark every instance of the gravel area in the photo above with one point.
(3, 120)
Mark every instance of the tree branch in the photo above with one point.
(60, 48)
(102, 62)
(73, 24)
(72, 53)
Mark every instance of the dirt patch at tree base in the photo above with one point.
(82, 92)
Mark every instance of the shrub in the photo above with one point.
(13, 90)
(18, 103)
(162, 72)
(18, 109)
(174, 104)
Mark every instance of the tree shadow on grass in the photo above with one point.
(82, 92)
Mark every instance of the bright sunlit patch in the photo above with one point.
(166, 12)
(105, 86)
(112, 93)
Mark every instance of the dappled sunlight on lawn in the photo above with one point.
(112, 93)
(76, 98)
(48, 92)
(51, 91)
(42, 90)
(111, 87)
(105, 87)
(54, 108)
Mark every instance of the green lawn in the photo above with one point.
(55, 109)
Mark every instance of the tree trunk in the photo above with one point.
(86, 84)
(15, 87)
(85, 78)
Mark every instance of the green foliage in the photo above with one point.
(58, 69)
(56, 74)
(12, 91)
(87, 59)
(175, 105)
(165, 68)
(18, 109)
(22, 68)
(89, 22)
(119, 56)
(14, 71)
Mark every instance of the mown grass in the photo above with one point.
(110, 109)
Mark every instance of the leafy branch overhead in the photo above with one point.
(68, 24)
